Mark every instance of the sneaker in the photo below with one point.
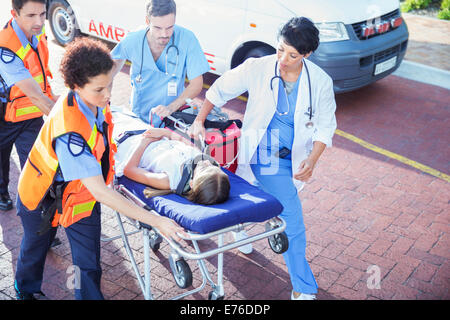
(26, 296)
(5, 202)
(303, 296)
(245, 249)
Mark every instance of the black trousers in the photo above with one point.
(21, 134)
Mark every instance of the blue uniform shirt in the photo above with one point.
(153, 89)
(74, 155)
(12, 69)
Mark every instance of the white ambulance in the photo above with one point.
(361, 41)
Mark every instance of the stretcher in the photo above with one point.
(246, 206)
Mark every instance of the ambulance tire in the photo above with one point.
(258, 52)
(62, 22)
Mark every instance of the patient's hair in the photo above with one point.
(211, 187)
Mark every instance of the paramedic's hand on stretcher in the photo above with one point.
(108, 196)
(163, 111)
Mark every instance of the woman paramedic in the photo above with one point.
(288, 122)
(68, 169)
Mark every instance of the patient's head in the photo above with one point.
(209, 184)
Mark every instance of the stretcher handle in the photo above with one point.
(183, 127)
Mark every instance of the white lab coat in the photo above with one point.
(254, 76)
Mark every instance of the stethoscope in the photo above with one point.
(172, 45)
(310, 123)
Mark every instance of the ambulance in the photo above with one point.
(361, 41)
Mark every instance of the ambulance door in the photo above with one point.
(217, 25)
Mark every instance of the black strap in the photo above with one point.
(125, 135)
(52, 203)
(70, 98)
(189, 119)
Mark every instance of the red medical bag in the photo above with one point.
(221, 137)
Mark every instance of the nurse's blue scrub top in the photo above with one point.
(74, 155)
(280, 132)
(153, 89)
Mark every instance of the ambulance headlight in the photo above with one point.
(332, 31)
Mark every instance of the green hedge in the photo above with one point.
(409, 5)
(444, 13)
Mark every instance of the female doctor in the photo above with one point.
(288, 122)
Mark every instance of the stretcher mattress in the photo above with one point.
(246, 203)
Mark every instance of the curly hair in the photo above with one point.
(84, 59)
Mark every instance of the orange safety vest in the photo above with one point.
(39, 172)
(19, 107)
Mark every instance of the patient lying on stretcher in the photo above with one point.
(159, 160)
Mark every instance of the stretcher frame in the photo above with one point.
(151, 236)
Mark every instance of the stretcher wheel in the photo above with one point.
(279, 242)
(155, 241)
(214, 296)
(181, 273)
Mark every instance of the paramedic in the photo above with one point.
(162, 56)
(67, 172)
(25, 93)
(288, 122)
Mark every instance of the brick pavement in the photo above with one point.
(361, 209)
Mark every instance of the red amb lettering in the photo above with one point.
(117, 35)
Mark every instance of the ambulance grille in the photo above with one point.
(357, 27)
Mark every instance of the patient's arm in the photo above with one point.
(152, 179)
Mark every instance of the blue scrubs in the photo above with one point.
(274, 176)
(23, 133)
(153, 89)
(76, 162)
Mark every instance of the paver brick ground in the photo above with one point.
(365, 214)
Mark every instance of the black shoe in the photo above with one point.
(56, 242)
(5, 202)
(26, 296)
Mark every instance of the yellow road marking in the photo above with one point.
(395, 156)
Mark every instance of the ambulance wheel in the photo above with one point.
(182, 274)
(62, 22)
(215, 296)
(260, 51)
(279, 243)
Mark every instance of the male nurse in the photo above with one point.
(162, 55)
(25, 93)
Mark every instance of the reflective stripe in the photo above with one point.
(82, 207)
(93, 137)
(52, 163)
(39, 79)
(27, 110)
(22, 52)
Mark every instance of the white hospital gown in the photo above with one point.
(164, 155)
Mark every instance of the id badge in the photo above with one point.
(172, 88)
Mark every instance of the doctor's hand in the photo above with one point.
(196, 129)
(305, 170)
